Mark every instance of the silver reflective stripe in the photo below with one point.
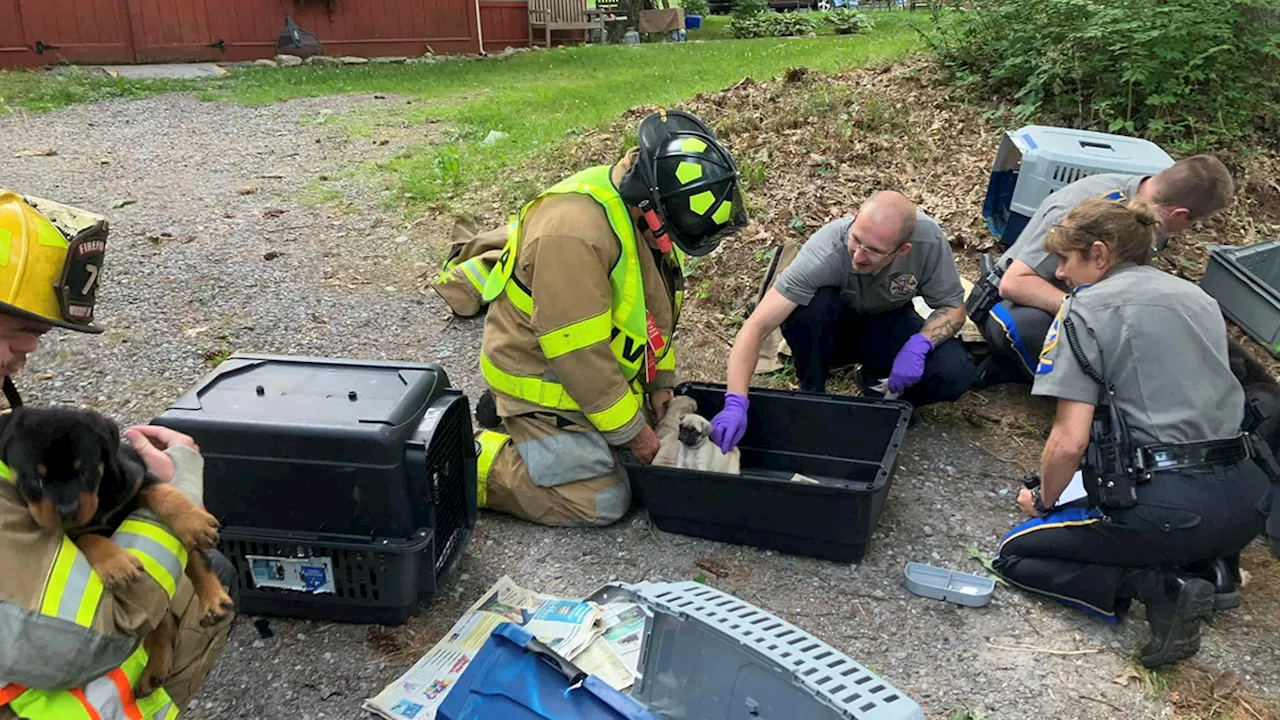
(73, 591)
(104, 696)
(566, 457)
(163, 712)
(171, 563)
(613, 502)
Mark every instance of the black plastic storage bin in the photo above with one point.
(849, 444)
(368, 464)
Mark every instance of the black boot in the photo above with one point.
(487, 412)
(1224, 576)
(1175, 606)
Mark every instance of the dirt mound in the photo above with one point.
(812, 146)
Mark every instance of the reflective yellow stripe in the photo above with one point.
(576, 336)
(50, 704)
(667, 361)
(5, 472)
(617, 415)
(139, 524)
(533, 389)
(162, 556)
(103, 694)
(49, 235)
(158, 706)
(73, 589)
(475, 272)
(553, 395)
(521, 299)
(490, 444)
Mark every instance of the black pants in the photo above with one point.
(1078, 556)
(826, 334)
(1015, 333)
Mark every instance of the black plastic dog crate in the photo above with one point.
(367, 466)
(848, 444)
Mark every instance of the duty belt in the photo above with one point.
(1194, 455)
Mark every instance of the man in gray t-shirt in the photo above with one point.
(1190, 190)
(847, 297)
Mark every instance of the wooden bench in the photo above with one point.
(563, 15)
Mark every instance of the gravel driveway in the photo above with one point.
(197, 269)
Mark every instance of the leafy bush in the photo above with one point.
(848, 22)
(773, 25)
(1190, 72)
(696, 7)
(743, 9)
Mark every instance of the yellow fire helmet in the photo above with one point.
(44, 276)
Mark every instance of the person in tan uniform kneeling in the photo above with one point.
(582, 299)
(72, 645)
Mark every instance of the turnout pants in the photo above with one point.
(543, 469)
(1016, 334)
(196, 648)
(1079, 555)
(826, 334)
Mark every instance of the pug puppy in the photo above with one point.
(697, 452)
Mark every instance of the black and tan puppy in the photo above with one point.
(77, 476)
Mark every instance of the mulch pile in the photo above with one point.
(814, 146)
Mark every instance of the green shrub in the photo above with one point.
(696, 7)
(743, 9)
(1193, 73)
(847, 22)
(773, 25)
(747, 27)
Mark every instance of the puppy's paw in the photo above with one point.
(154, 676)
(119, 570)
(196, 528)
(215, 607)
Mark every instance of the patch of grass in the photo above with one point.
(40, 91)
(714, 27)
(317, 193)
(1153, 683)
(537, 98)
(214, 357)
(754, 170)
(784, 378)
(967, 715)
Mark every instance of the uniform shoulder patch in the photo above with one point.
(1115, 196)
(903, 284)
(1051, 340)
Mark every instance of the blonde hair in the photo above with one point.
(1129, 229)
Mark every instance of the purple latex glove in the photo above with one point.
(908, 366)
(728, 426)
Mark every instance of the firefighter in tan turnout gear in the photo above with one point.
(582, 298)
(70, 647)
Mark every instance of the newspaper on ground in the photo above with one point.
(600, 640)
(614, 657)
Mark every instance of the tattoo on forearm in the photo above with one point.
(941, 327)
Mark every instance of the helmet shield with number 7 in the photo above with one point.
(44, 277)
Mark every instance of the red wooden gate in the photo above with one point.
(39, 32)
(74, 30)
(172, 30)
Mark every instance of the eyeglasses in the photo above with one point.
(876, 253)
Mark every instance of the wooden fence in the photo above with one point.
(41, 32)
